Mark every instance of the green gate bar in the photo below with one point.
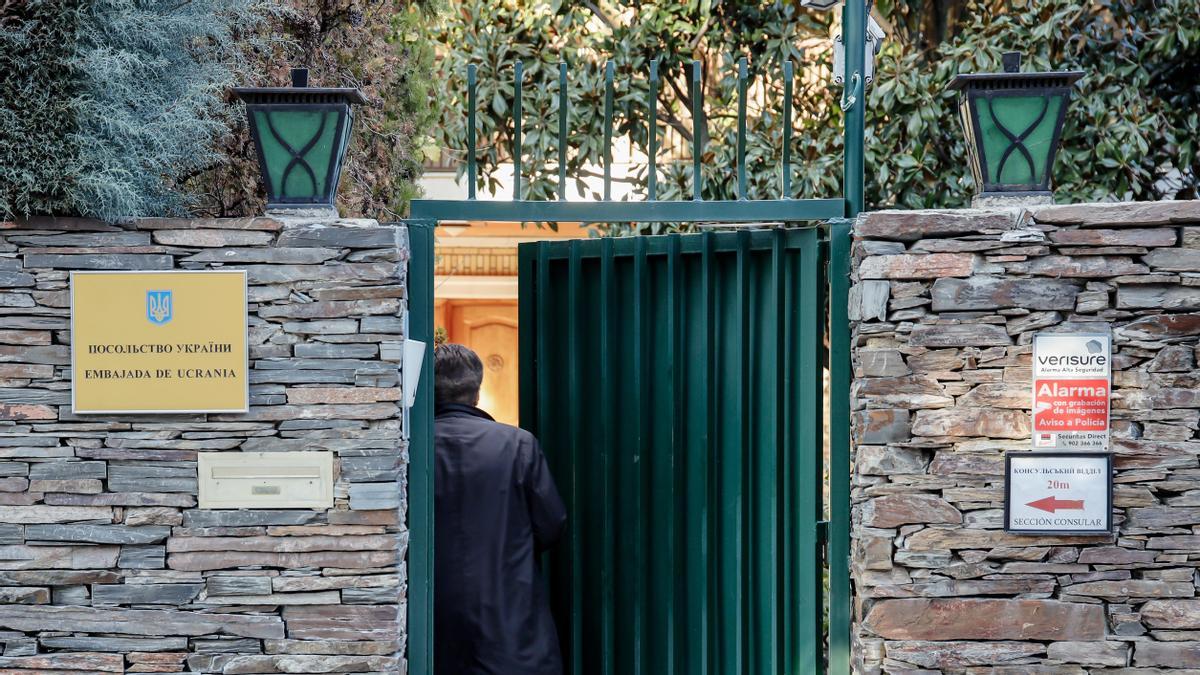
(839, 448)
(420, 470)
(739, 210)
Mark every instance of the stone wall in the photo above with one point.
(106, 563)
(945, 305)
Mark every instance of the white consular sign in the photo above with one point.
(1072, 380)
(1058, 493)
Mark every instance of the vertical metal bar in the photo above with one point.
(528, 310)
(697, 487)
(527, 315)
(839, 449)
(608, 123)
(671, 468)
(854, 35)
(808, 450)
(767, 453)
(786, 177)
(642, 402)
(608, 323)
(574, 404)
(518, 84)
(734, 441)
(697, 131)
(790, 474)
(741, 132)
(420, 476)
(652, 132)
(547, 373)
(472, 170)
(563, 107)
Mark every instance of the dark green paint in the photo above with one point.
(785, 169)
(697, 130)
(420, 449)
(518, 84)
(854, 23)
(564, 105)
(608, 128)
(676, 388)
(652, 130)
(741, 132)
(724, 211)
(472, 168)
(839, 448)
(675, 383)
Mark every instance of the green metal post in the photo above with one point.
(652, 131)
(697, 130)
(808, 448)
(854, 37)
(839, 449)
(608, 347)
(420, 470)
(574, 424)
(472, 174)
(786, 170)
(608, 124)
(741, 132)
(518, 83)
(563, 141)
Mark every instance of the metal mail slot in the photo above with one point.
(226, 471)
(259, 480)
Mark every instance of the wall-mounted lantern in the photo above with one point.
(301, 134)
(1013, 122)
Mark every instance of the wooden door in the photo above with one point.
(489, 327)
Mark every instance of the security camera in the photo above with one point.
(874, 42)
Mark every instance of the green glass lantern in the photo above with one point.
(1013, 122)
(301, 134)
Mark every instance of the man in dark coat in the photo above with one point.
(496, 509)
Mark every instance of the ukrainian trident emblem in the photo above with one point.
(158, 306)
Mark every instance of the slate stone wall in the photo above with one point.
(945, 305)
(106, 563)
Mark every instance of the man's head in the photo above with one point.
(457, 375)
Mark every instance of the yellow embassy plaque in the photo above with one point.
(159, 342)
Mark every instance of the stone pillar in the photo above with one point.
(945, 305)
(107, 564)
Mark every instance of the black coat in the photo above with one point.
(496, 510)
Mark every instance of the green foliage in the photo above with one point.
(37, 108)
(379, 47)
(110, 104)
(1132, 123)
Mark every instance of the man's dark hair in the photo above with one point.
(457, 374)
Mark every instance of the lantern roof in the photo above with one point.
(1011, 78)
(300, 95)
(300, 92)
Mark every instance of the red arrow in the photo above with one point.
(1051, 504)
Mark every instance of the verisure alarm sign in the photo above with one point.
(1072, 383)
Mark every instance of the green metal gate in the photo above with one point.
(676, 385)
(675, 382)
